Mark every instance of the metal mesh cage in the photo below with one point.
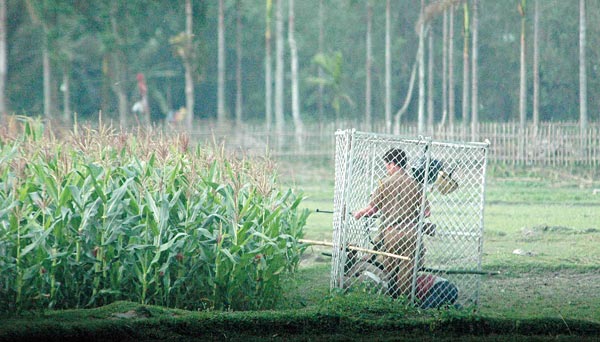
(408, 217)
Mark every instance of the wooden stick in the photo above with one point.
(435, 270)
(355, 248)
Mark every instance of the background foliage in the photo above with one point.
(79, 37)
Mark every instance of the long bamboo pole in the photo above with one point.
(354, 248)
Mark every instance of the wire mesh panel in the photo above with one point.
(408, 217)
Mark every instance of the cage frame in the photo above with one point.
(345, 157)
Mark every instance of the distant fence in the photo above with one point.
(551, 143)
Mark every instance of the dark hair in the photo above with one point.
(396, 156)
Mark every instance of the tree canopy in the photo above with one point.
(88, 42)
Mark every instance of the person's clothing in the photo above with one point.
(399, 199)
(434, 291)
(400, 241)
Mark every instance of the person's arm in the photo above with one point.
(372, 207)
(427, 208)
(366, 211)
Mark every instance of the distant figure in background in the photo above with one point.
(141, 107)
(175, 117)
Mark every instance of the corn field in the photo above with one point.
(98, 215)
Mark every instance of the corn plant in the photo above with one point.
(99, 216)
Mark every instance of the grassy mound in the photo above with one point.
(344, 318)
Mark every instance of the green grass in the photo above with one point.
(552, 218)
(549, 292)
(341, 318)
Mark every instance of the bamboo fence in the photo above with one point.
(549, 144)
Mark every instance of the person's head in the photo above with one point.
(395, 157)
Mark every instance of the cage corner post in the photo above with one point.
(485, 147)
(422, 206)
(343, 148)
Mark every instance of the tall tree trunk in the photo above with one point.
(118, 59)
(368, 62)
(238, 67)
(536, 68)
(411, 86)
(187, 64)
(522, 84)
(3, 63)
(66, 90)
(106, 99)
(466, 88)
(294, 75)
(118, 77)
(475, 74)
(46, 65)
(279, 116)
(388, 69)
(268, 67)
(451, 99)
(444, 69)
(321, 93)
(421, 63)
(47, 71)
(583, 115)
(428, 13)
(221, 67)
(430, 87)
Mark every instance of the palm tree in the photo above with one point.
(388, 69)
(332, 80)
(66, 89)
(3, 64)
(474, 73)
(420, 54)
(238, 64)
(38, 20)
(536, 64)
(221, 66)
(465, 99)
(523, 83)
(320, 48)
(183, 45)
(294, 75)
(268, 66)
(430, 88)
(428, 13)
(279, 118)
(444, 69)
(451, 99)
(368, 63)
(404, 107)
(583, 116)
(118, 71)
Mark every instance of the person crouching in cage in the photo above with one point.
(398, 200)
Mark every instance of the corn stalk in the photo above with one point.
(103, 215)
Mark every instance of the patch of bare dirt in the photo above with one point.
(131, 314)
(315, 255)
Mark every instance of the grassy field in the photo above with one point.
(547, 292)
(541, 232)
